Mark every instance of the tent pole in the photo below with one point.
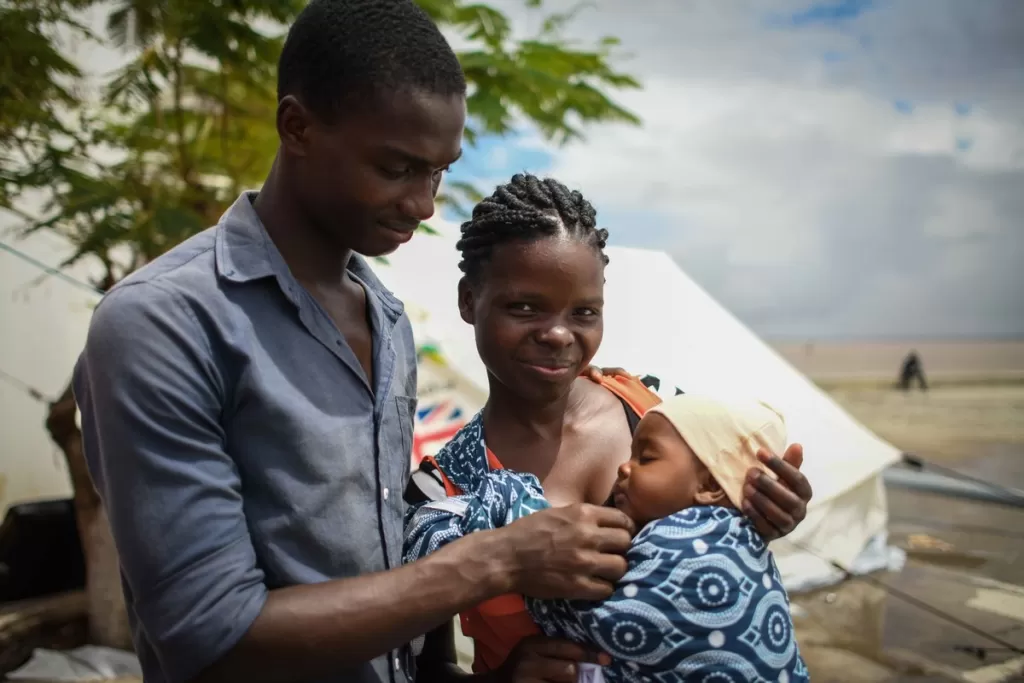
(931, 479)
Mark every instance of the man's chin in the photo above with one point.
(382, 244)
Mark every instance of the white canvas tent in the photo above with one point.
(659, 321)
(45, 320)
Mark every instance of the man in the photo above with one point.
(247, 399)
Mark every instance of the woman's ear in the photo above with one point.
(709, 492)
(466, 301)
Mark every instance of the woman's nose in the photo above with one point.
(556, 336)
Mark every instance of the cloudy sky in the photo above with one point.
(842, 169)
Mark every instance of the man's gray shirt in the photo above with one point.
(236, 442)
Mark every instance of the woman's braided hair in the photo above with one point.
(524, 209)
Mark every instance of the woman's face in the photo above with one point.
(537, 312)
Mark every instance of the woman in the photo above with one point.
(534, 261)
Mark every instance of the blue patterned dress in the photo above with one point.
(702, 600)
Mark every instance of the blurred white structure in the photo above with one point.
(658, 321)
(45, 320)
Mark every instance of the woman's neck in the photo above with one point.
(505, 412)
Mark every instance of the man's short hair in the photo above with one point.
(339, 53)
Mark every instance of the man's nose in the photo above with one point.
(419, 202)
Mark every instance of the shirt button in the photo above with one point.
(398, 666)
(386, 493)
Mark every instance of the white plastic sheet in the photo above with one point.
(88, 663)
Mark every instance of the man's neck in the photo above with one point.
(538, 418)
(311, 257)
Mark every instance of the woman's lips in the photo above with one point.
(553, 371)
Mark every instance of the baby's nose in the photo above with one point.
(624, 470)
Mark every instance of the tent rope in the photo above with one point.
(910, 599)
(50, 270)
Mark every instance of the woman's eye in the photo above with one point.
(587, 312)
(522, 308)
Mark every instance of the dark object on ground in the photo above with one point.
(56, 622)
(40, 552)
(911, 371)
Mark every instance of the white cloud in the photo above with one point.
(779, 170)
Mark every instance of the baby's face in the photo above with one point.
(662, 476)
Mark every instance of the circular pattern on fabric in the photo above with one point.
(713, 589)
(770, 633)
(633, 631)
(783, 677)
(719, 677)
(630, 590)
(700, 547)
(716, 639)
(767, 581)
(718, 666)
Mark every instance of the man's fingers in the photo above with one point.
(611, 518)
(608, 540)
(557, 648)
(615, 372)
(592, 589)
(549, 671)
(607, 567)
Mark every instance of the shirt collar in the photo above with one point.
(244, 252)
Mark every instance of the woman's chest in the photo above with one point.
(581, 468)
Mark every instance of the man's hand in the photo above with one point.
(538, 659)
(575, 552)
(777, 507)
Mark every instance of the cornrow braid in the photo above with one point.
(524, 209)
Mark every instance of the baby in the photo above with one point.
(702, 599)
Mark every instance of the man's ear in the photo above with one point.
(294, 124)
(709, 492)
(466, 302)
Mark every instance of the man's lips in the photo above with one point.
(404, 231)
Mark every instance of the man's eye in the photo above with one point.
(395, 173)
(587, 312)
(522, 308)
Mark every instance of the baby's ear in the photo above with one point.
(709, 493)
(709, 497)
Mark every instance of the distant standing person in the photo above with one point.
(912, 370)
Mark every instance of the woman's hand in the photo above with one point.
(539, 659)
(777, 507)
(595, 373)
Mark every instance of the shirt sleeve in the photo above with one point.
(151, 400)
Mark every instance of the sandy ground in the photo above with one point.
(956, 611)
(946, 424)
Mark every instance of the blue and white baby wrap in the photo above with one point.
(702, 599)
